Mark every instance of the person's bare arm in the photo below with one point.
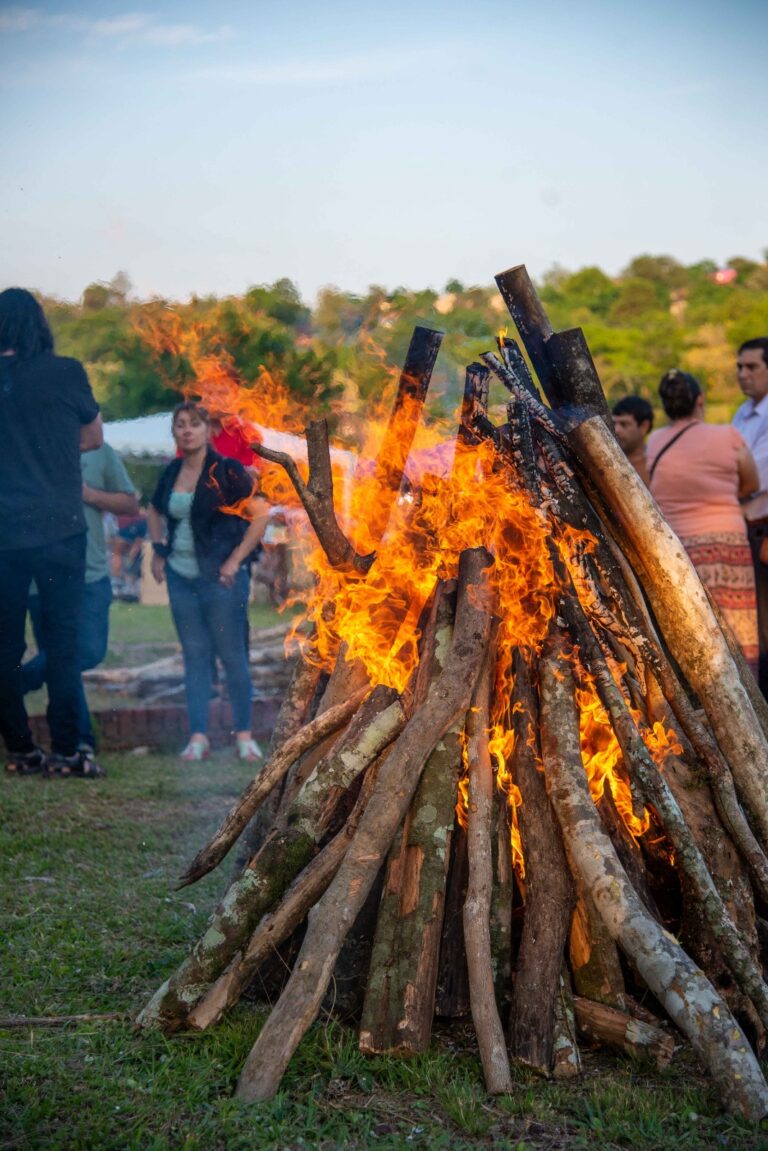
(156, 529)
(119, 503)
(91, 435)
(749, 478)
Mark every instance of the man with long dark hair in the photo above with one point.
(48, 415)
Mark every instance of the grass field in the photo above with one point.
(91, 923)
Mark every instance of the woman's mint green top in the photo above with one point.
(182, 559)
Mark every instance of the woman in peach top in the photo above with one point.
(698, 473)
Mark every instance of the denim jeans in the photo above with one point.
(210, 620)
(92, 638)
(59, 572)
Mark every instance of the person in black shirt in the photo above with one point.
(48, 415)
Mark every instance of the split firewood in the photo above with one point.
(686, 994)
(448, 698)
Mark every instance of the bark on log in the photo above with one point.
(681, 987)
(275, 927)
(477, 907)
(267, 876)
(452, 992)
(549, 893)
(595, 965)
(682, 609)
(273, 771)
(334, 915)
(400, 995)
(612, 1028)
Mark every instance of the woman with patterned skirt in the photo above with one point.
(698, 473)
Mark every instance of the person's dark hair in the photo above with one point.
(679, 392)
(23, 326)
(634, 406)
(759, 342)
(193, 408)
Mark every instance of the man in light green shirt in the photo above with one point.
(107, 487)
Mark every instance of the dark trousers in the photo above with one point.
(59, 572)
(92, 639)
(756, 536)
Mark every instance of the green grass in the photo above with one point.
(90, 923)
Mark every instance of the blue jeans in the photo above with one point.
(92, 638)
(59, 572)
(210, 620)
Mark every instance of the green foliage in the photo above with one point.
(343, 354)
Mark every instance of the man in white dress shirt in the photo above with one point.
(752, 421)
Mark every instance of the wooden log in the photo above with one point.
(448, 698)
(549, 892)
(452, 991)
(566, 1061)
(501, 905)
(276, 926)
(477, 908)
(578, 383)
(267, 876)
(656, 792)
(594, 960)
(259, 788)
(474, 402)
(400, 994)
(294, 711)
(532, 323)
(679, 985)
(611, 1028)
(682, 609)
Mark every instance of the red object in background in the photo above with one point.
(725, 275)
(233, 442)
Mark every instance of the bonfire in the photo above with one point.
(521, 770)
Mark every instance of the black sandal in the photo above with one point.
(80, 765)
(33, 762)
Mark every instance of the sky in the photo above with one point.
(205, 148)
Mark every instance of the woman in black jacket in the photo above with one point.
(202, 540)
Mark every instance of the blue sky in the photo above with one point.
(204, 148)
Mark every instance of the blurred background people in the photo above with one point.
(204, 525)
(632, 423)
(126, 545)
(106, 488)
(698, 473)
(48, 415)
(751, 419)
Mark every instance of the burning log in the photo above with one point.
(574, 779)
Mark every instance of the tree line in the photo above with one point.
(337, 357)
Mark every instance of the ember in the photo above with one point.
(521, 676)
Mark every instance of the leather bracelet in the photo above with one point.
(161, 549)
